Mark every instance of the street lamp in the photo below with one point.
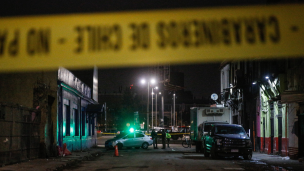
(156, 88)
(152, 81)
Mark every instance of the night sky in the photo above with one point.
(201, 79)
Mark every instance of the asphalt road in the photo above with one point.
(175, 158)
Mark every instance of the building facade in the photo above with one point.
(42, 110)
(266, 97)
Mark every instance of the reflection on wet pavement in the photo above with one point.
(259, 165)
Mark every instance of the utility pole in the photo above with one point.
(174, 109)
(148, 109)
(105, 116)
(162, 101)
(156, 109)
(152, 107)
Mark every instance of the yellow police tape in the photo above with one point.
(150, 37)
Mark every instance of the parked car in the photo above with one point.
(227, 140)
(134, 139)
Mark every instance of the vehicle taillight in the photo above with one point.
(151, 138)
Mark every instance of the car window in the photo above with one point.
(229, 130)
(120, 135)
(207, 127)
(130, 135)
(138, 135)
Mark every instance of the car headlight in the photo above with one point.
(218, 141)
(248, 143)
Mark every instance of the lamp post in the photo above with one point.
(152, 81)
(156, 88)
(152, 106)
(174, 109)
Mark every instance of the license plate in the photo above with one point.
(234, 150)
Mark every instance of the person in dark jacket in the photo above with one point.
(154, 138)
(164, 139)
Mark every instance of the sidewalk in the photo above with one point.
(54, 163)
(277, 161)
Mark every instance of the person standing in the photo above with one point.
(168, 137)
(164, 139)
(154, 138)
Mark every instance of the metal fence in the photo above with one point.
(19, 133)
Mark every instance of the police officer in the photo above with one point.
(154, 138)
(168, 137)
(164, 138)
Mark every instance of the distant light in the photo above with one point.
(152, 81)
(230, 85)
(156, 88)
(159, 93)
(131, 129)
(267, 77)
(143, 81)
(254, 82)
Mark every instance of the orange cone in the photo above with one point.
(116, 151)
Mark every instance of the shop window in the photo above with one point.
(76, 115)
(90, 128)
(83, 125)
(67, 120)
(93, 126)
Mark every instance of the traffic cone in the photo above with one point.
(116, 151)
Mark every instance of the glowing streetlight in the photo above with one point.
(152, 81)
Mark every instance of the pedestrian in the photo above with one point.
(154, 138)
(168, 136)
(164, 139)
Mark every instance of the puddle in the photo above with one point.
(278, 168)
(259, 165)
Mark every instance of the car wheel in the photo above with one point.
(247, 157)
(213, 153)
(206, 154)
(145, 145)
(119, 146)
